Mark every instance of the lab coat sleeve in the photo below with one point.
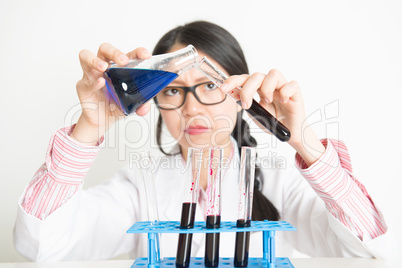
(91, 225)
(333, 212)
(85, 225)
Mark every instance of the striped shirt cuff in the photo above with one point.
(56, 181)
(331, 177)
(326, 175)
(67, 160)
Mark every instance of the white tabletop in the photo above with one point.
(297, 263)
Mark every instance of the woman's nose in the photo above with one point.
(191, 105)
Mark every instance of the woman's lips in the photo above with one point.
(195, 130)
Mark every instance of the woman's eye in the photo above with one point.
(171, 91)
(210, 86)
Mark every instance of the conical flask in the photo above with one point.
(140, 80)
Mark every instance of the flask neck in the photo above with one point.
(183, 60)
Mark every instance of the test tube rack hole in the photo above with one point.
(268, 229)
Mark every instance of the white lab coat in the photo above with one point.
(93, 223)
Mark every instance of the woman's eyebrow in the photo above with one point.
(197, 81)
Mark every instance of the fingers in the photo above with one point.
(273, 80)
(233, 84)
(249, 88)
(249, 85)
(143, 109)
(107, 53)
(289, 91)
(91, 62)
(264, 85)
(86, 87)
(139, 53)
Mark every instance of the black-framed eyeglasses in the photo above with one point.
(173, 97)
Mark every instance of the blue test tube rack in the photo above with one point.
(268, 229)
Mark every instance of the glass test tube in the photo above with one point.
(256, 111)
(213, 208)
(245, 205)
(150, 195)
(194, 159)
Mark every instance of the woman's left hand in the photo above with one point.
(283, 100)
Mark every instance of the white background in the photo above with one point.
(346, 56)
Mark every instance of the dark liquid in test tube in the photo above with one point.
(212, 242)
(269, 121)
(242, 245)
(184, 246)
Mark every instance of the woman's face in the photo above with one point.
(195, 124)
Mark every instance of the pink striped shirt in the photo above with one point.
(61, 176)
(331, 176)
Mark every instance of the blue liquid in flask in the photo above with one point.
(131, 87)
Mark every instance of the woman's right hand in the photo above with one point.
(98, 110)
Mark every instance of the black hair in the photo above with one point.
(220, 45)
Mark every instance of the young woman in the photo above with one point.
(331, 209)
